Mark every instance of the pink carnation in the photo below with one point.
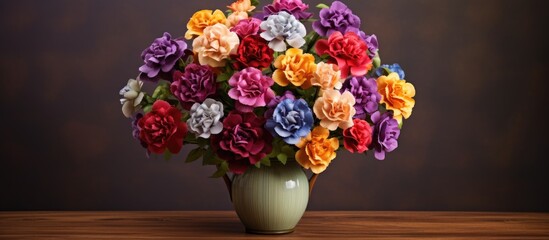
(246, 27)
(251, 89)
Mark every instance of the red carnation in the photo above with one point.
(243, 141)
(253, 51)
(358, 137)
(349, 51)
(162, 128)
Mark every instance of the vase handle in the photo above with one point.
(312, 181)
(229, 185)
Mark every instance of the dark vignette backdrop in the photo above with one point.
(476, 139)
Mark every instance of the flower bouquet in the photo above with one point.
(252, 87)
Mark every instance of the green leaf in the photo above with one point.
(376, 61)
(167, 155)
(222, 169)
(202, 142)
(266, 161)
(210, 158)
(147, 108)
(195, 154)
(288, 150)
(282, 158)
(257, 164)
(255, 2)
(223, 77)
(322, 5)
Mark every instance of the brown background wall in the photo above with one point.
(476, 140)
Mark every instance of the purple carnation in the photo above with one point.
(160, 58)
(337, 18)
(371, 42)
(246, 27)
(294, 7)
(373, 46)
(194, 85)
(275, 101)
(136, 130)
(386, 134)
(365, 92)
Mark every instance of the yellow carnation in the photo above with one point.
(316, 150)
(201, 20)
(397, 95)
(295, 67)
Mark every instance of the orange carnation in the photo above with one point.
(295, 67)
(241, 6)
(235, 17)
(397, 95)
(335, 109)
(327, 76)
(316, 150)
(203, 19)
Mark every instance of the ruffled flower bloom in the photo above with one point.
(206, 118)
(193, 85)
(327, 76)
(162, 128)
(295, 7)
(216, 45)
(253, 52)
(132, 97)
(241, 6)
(246, 27)
(161, 57)
(349, 51)
(203, 19)
(371, 42)
(271, 105)
(366, 95)
(236, 17)
(136, 132)
(373, 45)
(335, 109)
(243, 141)
(386, 133)
(385, 69)
(397, 95)
(317, 150)
(358, 137)
(251, 89)
(280, 27)
(291, 120)
(296, 68)
(337, 18)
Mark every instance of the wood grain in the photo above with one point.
(315, 224)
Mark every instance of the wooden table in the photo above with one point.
(314, 225)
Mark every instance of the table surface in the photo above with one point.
(313, 225)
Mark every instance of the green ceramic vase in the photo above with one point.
(271, 200)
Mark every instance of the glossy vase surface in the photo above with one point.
(271, 200)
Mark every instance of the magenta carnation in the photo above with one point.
(243, 141)
(294, 7)
(194, 85)
(251, 89)
(246, 27)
